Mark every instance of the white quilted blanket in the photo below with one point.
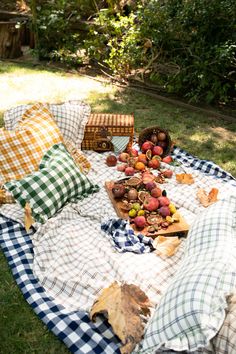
(74, 259)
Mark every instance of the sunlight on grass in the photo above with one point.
(27, 86)
(207, 137)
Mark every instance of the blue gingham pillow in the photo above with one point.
(57, 182)
(192, 310)
(71, 118)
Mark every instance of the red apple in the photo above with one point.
(164, 211)
(150, 185)
(156, 192)
(133, 152)
(123, 157)
(154, 163)
(163, 201)
(118, 190)
(111, 160)
(167, 173)
(167, 159)
(129, 171)
(157, 150)
(140, 222)
(151, 204)
(147, 145)
(121, 167)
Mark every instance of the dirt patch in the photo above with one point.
(223, 134)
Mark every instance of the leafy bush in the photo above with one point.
(186, 47)
(197, 38)
(112, 41)
(59, 38)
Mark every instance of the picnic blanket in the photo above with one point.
(62, 266)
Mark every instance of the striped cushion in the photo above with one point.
(71, 117)
(57, 182)
(193, 309)
(21, 150)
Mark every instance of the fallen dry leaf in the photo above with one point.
(166, 246)
(184, 178)
(28, 217)
(124, 306)
(205, 198)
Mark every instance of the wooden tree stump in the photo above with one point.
(10, 41)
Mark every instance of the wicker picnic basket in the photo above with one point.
(148, 133)
(101, 127)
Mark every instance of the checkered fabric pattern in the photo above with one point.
(57, 182)
(78, 156)
(72, 246)
(192, 310)
(74, 328)
(205, 166)
(21, 151)
(120, 143)
(124, 238)
(71, 117)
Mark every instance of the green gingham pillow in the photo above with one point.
(192, 310)
(57, 182)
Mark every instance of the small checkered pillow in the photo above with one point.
(71, 118)
(57, 182)
(192, 310)
(22, 150)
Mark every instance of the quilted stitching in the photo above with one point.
(22, 150)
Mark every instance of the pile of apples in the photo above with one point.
(133, 161)
(145, 202)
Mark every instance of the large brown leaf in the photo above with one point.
(124, 305)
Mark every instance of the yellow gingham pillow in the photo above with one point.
(22, 150)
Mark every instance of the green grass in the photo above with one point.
(209, 137)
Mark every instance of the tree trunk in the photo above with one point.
(10, 41)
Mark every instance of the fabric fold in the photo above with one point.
(124, 238)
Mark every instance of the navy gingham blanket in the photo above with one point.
(75, 329)
(124, 238)
(206, 166)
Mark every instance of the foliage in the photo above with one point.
(59, 38)
(186, 47)
(196, 38)
(113, 40)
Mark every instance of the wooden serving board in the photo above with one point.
(175, 228)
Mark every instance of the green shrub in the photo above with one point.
(194, 42)
(186, 47)
(57, 22)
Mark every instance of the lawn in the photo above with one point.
(206, 136)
